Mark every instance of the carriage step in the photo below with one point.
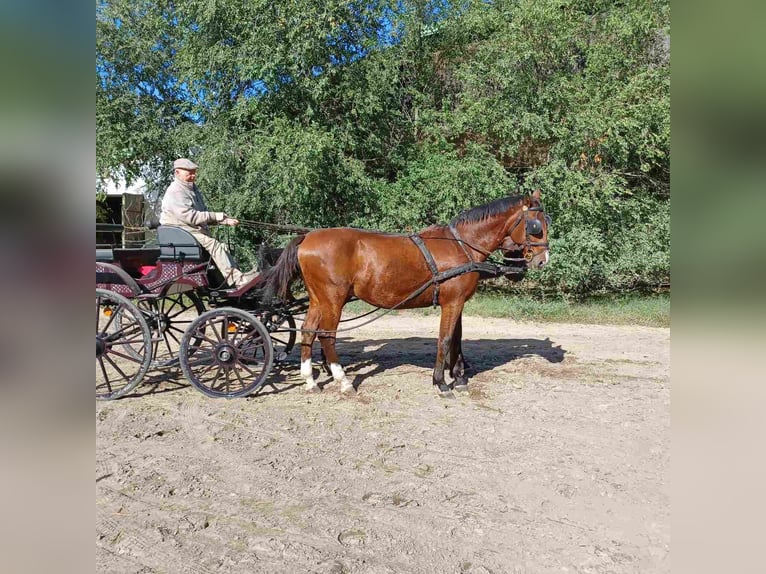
(281, 356)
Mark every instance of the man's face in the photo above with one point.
(186, 175)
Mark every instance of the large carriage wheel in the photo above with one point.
(123, 345)
(169, 316)
(281, 327)
(233, 356)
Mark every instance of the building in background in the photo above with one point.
(121, 219)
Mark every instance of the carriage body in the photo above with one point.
(162, 306)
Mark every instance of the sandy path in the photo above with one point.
(556, 461)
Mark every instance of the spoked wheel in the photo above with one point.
(281, 327)
(168, 317)
(233, 355)
(123, 345)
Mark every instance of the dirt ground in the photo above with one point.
(557, 460)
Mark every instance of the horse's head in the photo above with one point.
(526, 240)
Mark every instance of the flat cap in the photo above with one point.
(184, 163)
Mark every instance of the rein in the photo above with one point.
(463, 243)
(275, 227)
(436, 278)
(472, 266)
(485, 269)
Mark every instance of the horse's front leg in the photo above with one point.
(450, 316)
(457, 364)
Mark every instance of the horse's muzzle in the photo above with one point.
(526, 258)
(536, 260)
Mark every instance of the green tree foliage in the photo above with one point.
(399, 114)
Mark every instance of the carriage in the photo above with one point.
(149, 297)
(163, 306)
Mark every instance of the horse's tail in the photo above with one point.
(278, 278)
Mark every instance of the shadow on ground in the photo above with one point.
(358, 355)
(481, 355)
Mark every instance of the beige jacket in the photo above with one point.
(183, 206)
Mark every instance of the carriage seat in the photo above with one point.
(105, 255)
(178, 244)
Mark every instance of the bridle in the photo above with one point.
(532, 226)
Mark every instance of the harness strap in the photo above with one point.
(485, 269)
(460, 241)
(417, 240)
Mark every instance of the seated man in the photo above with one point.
(183, 206)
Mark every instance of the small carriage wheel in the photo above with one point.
(123, 345)
(168, 317)
(281, 327)
(234, 354)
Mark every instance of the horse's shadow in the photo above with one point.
(357, 356)
(366, 358)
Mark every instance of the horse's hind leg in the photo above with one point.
(329, 323)
(307, 341)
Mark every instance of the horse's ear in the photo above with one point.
(532, 199)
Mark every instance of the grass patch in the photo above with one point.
(632, 309)
(647, 310)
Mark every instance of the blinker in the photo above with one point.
(534, 227)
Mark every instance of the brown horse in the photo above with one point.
(385, 269)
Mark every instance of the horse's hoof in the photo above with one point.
(313, 390)
(461, 388)
(446, 394)
(348, 390)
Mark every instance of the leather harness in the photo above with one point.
(417, 240)
(440, 277)
(484, 268)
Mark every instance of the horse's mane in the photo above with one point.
(487, 210)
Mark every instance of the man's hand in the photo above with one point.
(230, 221)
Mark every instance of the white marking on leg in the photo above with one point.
(337, 372)
(340, 377)
(308, 374)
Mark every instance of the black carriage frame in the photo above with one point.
(227, 351)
